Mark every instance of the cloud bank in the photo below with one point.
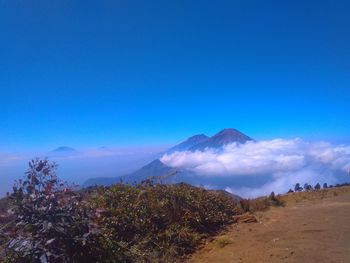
(284, 162)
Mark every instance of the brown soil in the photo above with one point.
(312, 227)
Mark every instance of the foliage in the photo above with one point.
(223, 241)
(298, 188)
(317, 186)
(258, 204)
(52, 225)
(123, 223)
(308, 187)
(149, 222)
(274, 200)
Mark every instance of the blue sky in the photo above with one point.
(129, 73)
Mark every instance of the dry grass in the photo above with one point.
(223, 241)
(314, 195)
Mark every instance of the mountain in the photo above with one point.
(63, 151)
(221, 139)
(201, 142)
(189, 143)
(160, 172)
(155, 169)
(106, 181)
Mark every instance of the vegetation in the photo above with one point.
(298, 188)
(46, 220)
(50, 222)
(158, 222)
(257, 204)
(308, 187)
(223, 241)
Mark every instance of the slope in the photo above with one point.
(314, 227)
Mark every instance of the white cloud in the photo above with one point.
(285, 161)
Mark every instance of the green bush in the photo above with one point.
(159, 222)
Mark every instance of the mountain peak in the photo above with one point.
(229, 131)
(64, 149)
(224, 137)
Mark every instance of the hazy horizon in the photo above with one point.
(86, 163)
(143, 76)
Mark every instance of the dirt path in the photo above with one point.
(316, 230)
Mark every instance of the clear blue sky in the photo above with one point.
(92, 73)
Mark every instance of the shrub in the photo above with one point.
(51, 224)
(258, 204)
(308, 187)
(252, 205)
(298, 188)
(317, 186)
(158, 221)
(274, 200)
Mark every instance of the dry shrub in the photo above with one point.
(258, 204)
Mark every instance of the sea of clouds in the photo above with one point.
(281, 163)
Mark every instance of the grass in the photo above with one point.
(223, 241)
(298, 197)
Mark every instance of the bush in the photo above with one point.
(252, 205)
(274, 200)
(298, 188)
(158, 221)
(52, 225)
(258, 204)
(123, 223)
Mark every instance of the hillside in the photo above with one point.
(169, 223)
(313, 227)
(44, 218)
(189, 143)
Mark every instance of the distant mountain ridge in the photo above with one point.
(157, 169)
(63, 151)
(201, 142)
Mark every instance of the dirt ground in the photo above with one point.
(312, 227)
